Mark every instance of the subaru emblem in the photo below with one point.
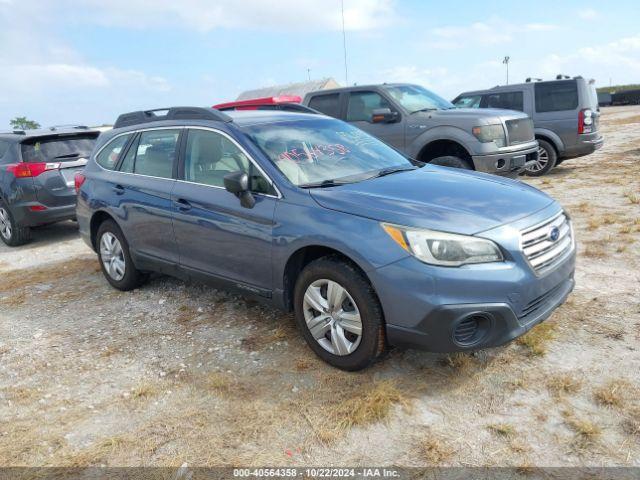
(554, 234)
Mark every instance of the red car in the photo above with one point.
(289, 103)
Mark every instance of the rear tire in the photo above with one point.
(10, 233)
(451, 161)
(114, 257)
(547, 158)
(348, 324)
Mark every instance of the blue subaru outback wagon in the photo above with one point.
(368, 248)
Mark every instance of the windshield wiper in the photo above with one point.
(390, 170)
(323, 184)
(426, 109)
(68, 155)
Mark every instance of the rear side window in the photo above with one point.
(328, 104)
(362, 105)
(58, 148)
(472, 101)
(108, 156)
(506, 100)
(556, 96)
(156, 152)
(4, 146)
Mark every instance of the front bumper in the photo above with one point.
(424, 305)
(508, 163)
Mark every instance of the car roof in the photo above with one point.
(361, 87)
(513, 86)
(261, 117)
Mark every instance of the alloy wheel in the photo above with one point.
(112, 256)
(5, 224)
(332, 317)
(543, 159)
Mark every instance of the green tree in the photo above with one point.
(23, 123)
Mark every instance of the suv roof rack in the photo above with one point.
(173, 113)
(532, 79)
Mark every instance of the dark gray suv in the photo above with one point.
(37, 169)
(429, 128)
(565, 115)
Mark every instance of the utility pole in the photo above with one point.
(506, 62)
(344, 47)
(309, 74)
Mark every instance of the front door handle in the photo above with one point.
(119, 189)
(183, 205)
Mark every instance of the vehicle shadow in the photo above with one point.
(47, 235)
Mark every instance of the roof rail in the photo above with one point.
(53, 128)
(532, 79)
(173, 113)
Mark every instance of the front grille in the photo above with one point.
(547, 244)
(539, 302)
(520, 130)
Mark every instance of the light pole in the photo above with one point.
(506, 62)
(344, 45)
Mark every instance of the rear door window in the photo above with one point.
(156, 152)
(4, 146)
(362, 105)
(556, 96)
(506, 100)
(328, 104)
(108, 156)
(58, 148)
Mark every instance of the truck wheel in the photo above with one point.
(451, 161)
(11, 234)
(547, 158)
(339, 314)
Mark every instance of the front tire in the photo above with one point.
(547, 158)
(451, 161)
(12, 234)
(339, 314)
(115, 259)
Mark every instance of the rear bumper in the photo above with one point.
(26, 217)
(586, 145)
(508, 164)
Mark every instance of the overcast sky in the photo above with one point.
(84, 62)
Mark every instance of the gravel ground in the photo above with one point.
(174, 372)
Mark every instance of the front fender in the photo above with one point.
(447, 132)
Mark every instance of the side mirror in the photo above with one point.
(383, 115)
(238, 184)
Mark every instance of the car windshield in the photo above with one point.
(324, 152)
(416, 98)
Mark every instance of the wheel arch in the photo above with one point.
(552, 138)
(97, 219)
(444, 147)
(302, 257)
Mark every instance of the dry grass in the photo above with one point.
(51, 273)
(502, 429)
(563, 384)
(585, 430)
(434, 450)
(613, 393)
(633, 198)
(538, 338)
(624, 120)
(302, 364)
(144, 390)
(459, 361)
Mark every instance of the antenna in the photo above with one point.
(344, 46)
(506, 62)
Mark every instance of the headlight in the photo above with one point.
(445, 249)
(490, 133)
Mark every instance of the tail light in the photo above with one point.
(78, 180)
(585, 121)
(27, 170)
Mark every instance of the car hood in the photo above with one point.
(437, 198)
(482, 116)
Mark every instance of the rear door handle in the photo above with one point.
(183, 205)
(119, 189)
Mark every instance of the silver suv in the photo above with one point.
(428, 128)
(565, 114)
